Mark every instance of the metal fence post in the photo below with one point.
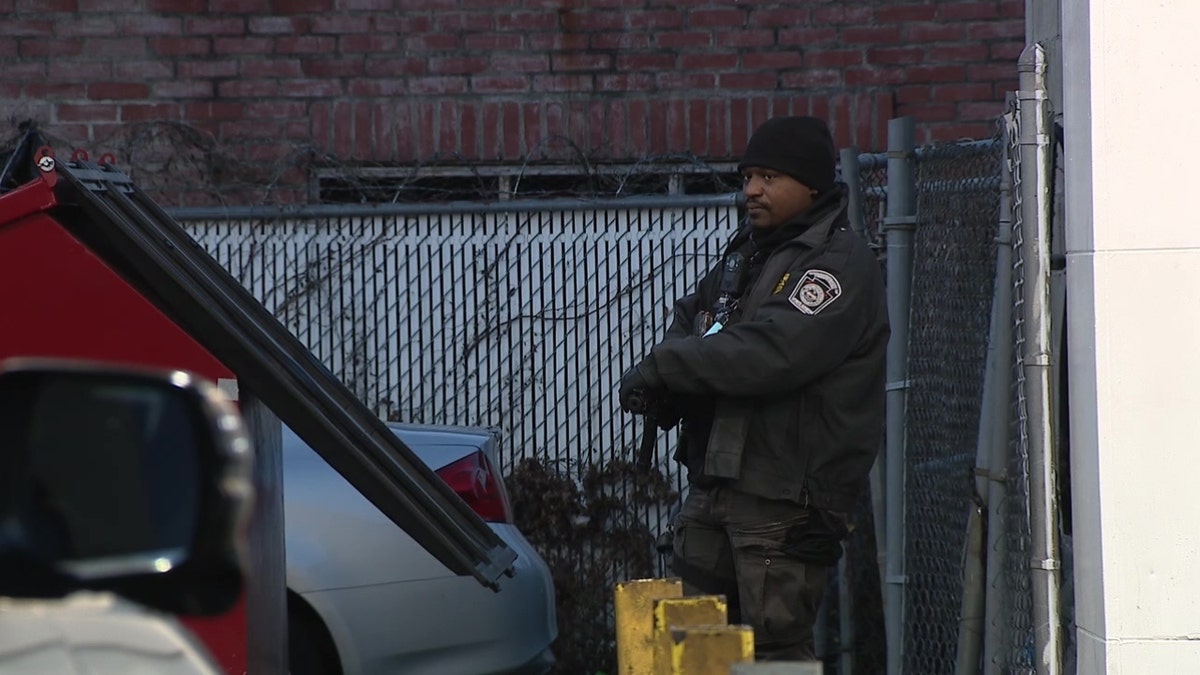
(852, 177)
(899, 225)
(1036, 202)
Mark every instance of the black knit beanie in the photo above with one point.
(800, 147)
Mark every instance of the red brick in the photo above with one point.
(638, 127)
(224, 46)
(107, 91)
(340, 25)
(88, 112)
(364, 140)
(747, 80)
(807, 78)
(491, 42)
(498, 84)
(15, 27)
(976, 51)
(401, 122)
(676, 126)
(919, 74)
(739, 124)
(135, 69)
(438, 85)
(996, 29)
(842, 14)
(868, 76)
(62, 71)
(930, 112)
(366, 5)
(558, 42)
(619, 41)
(872, 35)
(490, 132)
(333, 67)
(24, 6)
(709, 61)
(241, 88)
(568, 62)
(219, 7)
(718, 122)
(511, 130)
(836, 58)
(143, 112)
(117, 47)
(805, 37)
(520, 63)
(537, 21)
(394, 67)
(47, 90)
(177, 6)
(624, 82)
(967, 91)
(555, 83)
(905, 13)
(977, 110)
(935, 32)
(274, 25)
(744, 38)
(270, 68)
(180, 46)
(531, 124)
(716, 18)
(980, 72)
(305, 6)
(968, 11)
(224, 110)
(685, 80)
(683, 39)
(243, 129)
(33, 48)
(85, 26)
(433, 42)
(774, 19)
(1006, 51)
(458, 65)
(343, 130)
(372, 43)
(464, 21)
(377, 87)
(149, 25)
(657, 20)
(206, 68)
(304, 44)
(914, 93)
(406, 23)
(895, 55)
(782, 59)
(699, 131)
(651, 62)
(1012, 8)
(618, 129)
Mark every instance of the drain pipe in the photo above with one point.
(899, 225)
(1045, 562)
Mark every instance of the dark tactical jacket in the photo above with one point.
(787, 400)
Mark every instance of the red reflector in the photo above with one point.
(474, 479)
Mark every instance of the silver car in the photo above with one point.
(363, 597)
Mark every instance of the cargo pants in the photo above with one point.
(769, 558)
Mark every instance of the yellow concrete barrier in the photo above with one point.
(710, 650)
(633, 609)
(675, 613)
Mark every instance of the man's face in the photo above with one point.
(773, 198)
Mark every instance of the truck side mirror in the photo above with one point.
(115, 479)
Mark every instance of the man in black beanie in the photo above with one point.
(776, 366)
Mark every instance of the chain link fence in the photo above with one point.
(522, 315)
(954, 262)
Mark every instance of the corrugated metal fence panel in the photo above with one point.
(518, 320)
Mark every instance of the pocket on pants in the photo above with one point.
(780, 594)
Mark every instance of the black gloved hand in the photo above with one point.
(634, 393)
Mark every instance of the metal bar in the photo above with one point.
(138, 240)
(899, 226)
(1036, 203)
(510, 206)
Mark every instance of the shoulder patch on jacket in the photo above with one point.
(815, 291)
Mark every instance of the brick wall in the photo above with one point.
(440, 80)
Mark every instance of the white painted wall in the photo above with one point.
(1131, 97)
